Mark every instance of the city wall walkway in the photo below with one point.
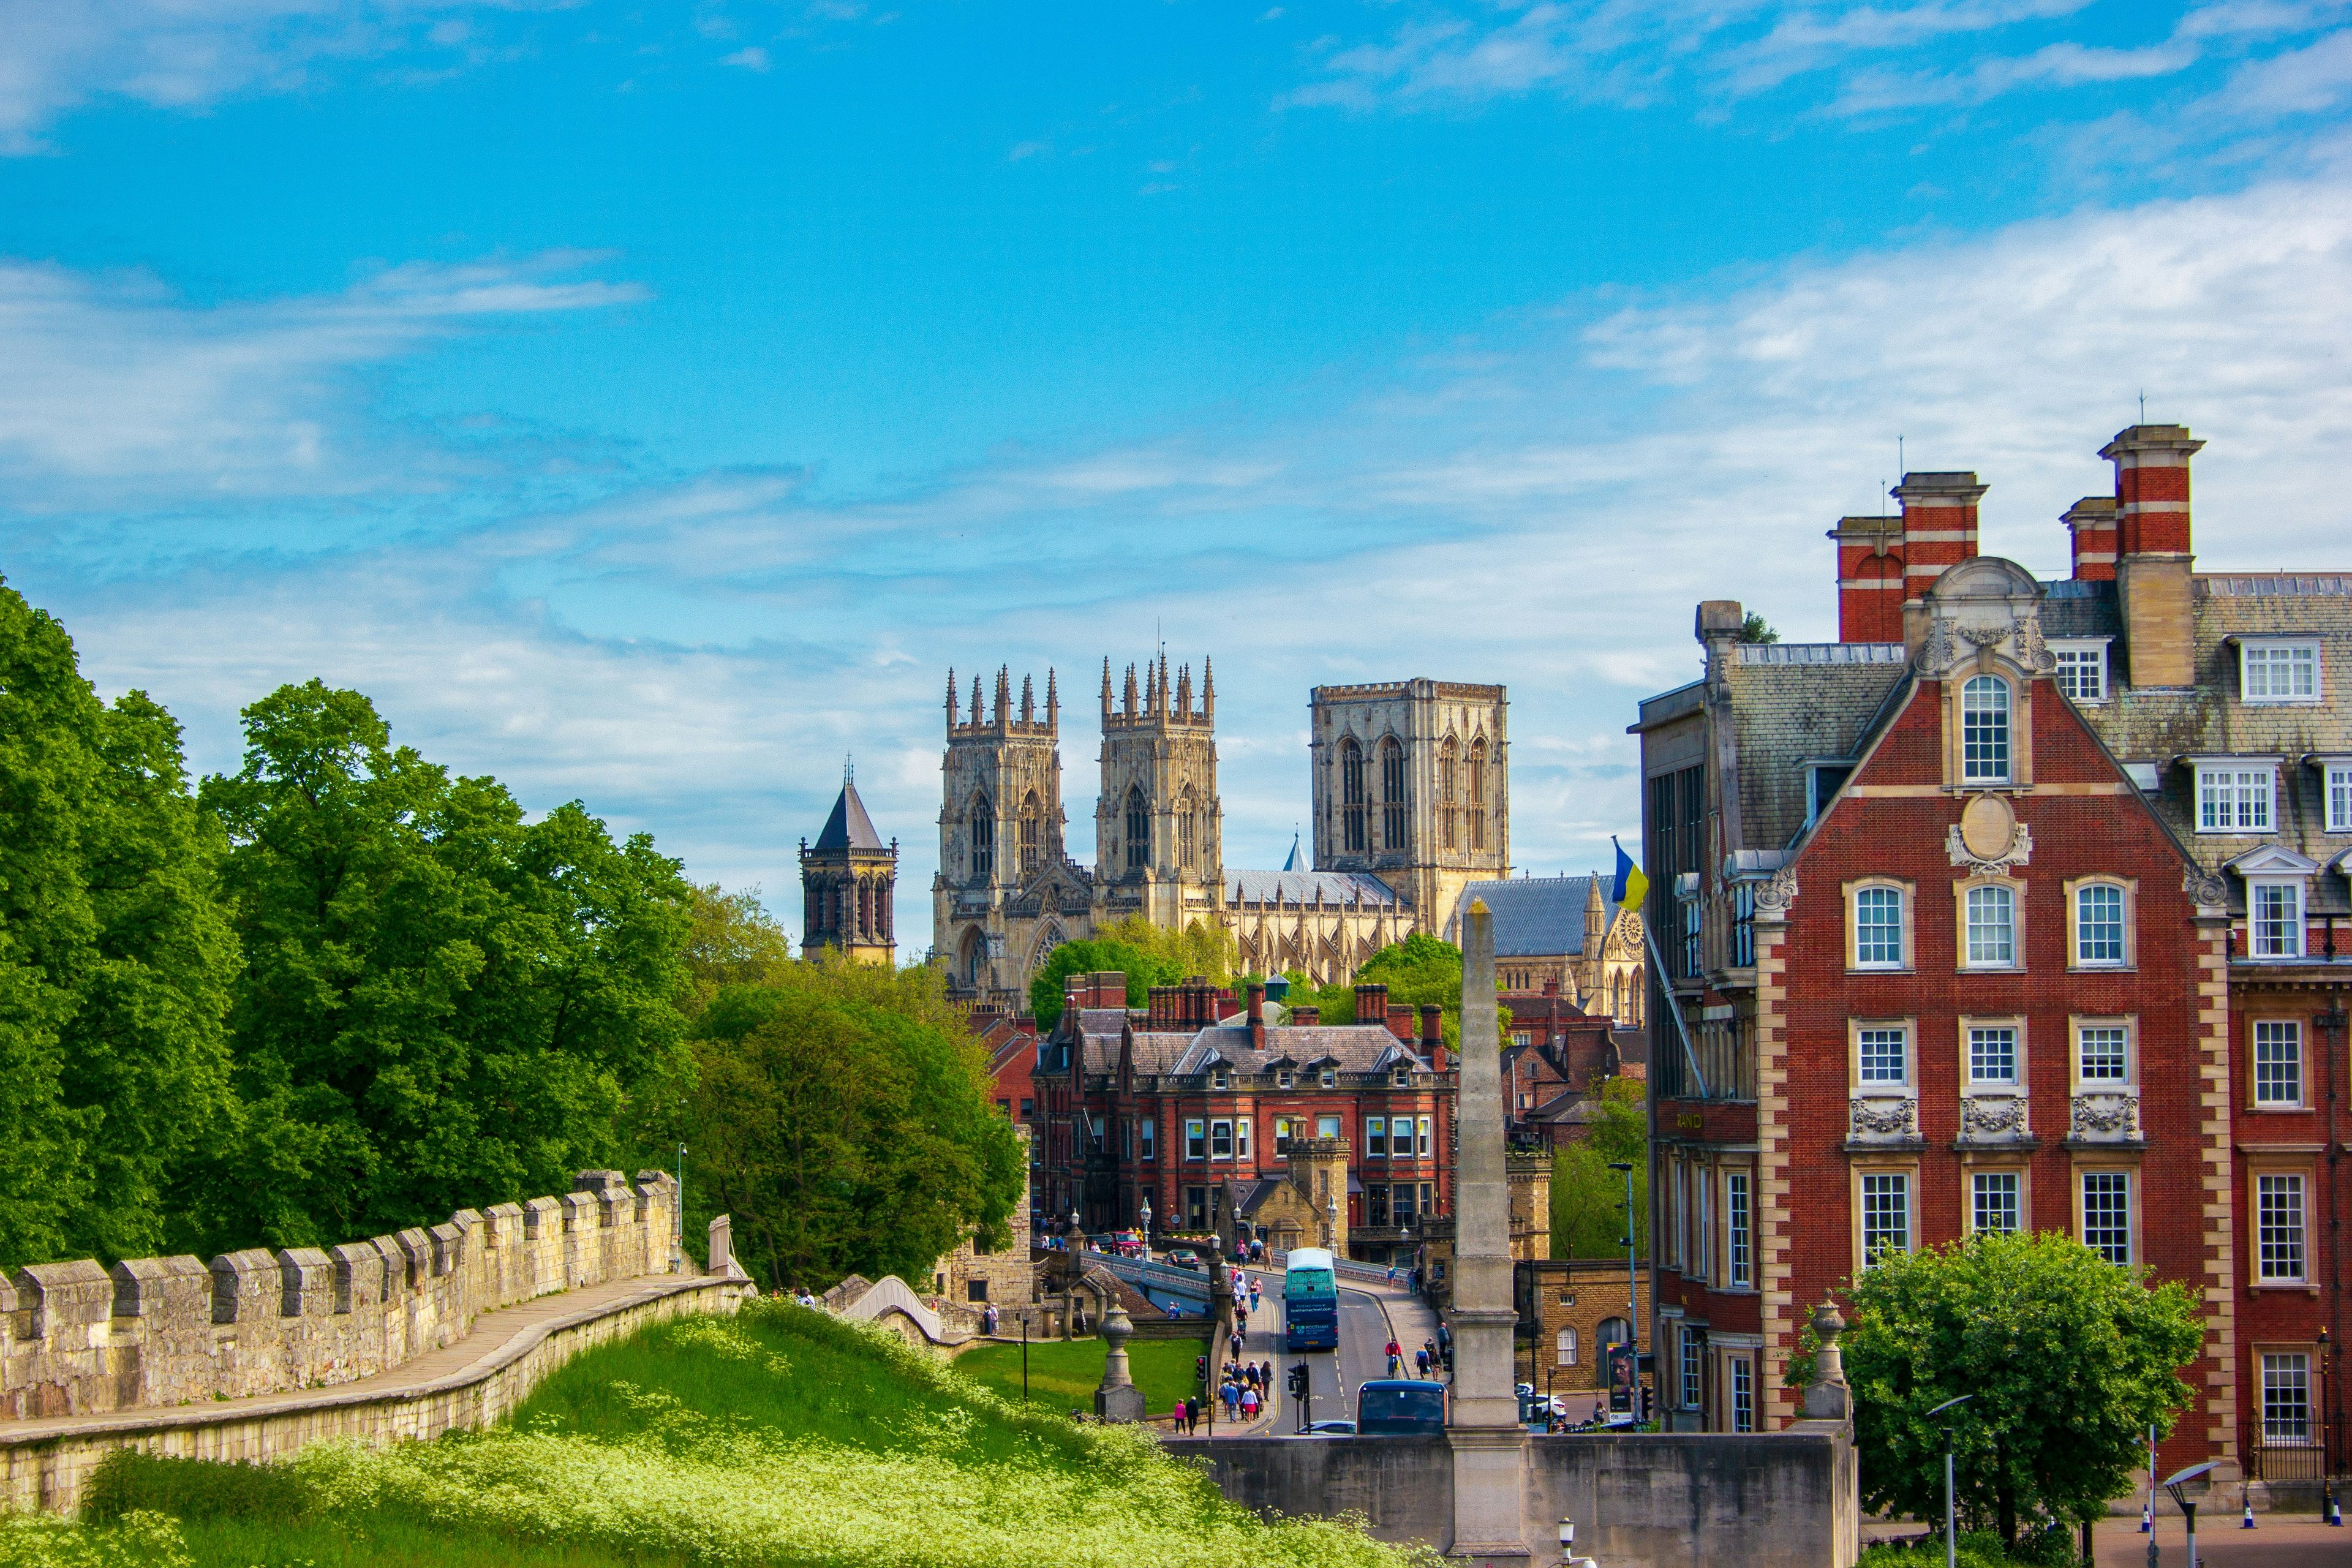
(470, 1383)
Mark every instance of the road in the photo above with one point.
(1366, 1318)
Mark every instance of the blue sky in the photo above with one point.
(648, 403)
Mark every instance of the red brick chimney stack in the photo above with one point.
(1372, 1003)
(1869, 578)
(2092, 523)
(2152, 551)
(1257, 1014)
(1432, 1035)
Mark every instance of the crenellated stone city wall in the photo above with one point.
(77, 1339)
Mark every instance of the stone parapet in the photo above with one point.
(76, 1339)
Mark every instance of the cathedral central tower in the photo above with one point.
(1159, 827)
(1000, 832)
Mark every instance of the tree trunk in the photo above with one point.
(2006, 1496)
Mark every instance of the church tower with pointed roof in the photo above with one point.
(849, 884)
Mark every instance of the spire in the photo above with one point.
(1053, 703)
(1208, 689)
(1151, 696)
(1003, 693)
(848, 770)
(1294, 863)
(1185, 692)
(1163, 680)
(978, 713)
(1105, 685)
(1127, 701)
(951, 699)
(1028, 702)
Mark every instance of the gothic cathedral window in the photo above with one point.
(1449, 764)
(1351, 797)
(1185, 838)
(1138, 829)
(1031, 816)
(1392, 815)
(1478, 794)
(983, 839)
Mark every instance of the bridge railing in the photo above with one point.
(1165, 1276)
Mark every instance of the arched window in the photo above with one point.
(1613, 1332)
(1984, 731)
(983, 839)
(1478, 794)
(1032, 816)
(1138, 829)
(865, 910)
(812, 913)
(1991, 926)
(1567, 1347)
(1351, 797)
(2100, 927)
(1186, 842)
(974, 965)
(1449, 765)
(1392, 828)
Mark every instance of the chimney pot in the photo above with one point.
(1372, 1003)
(1306, 1017)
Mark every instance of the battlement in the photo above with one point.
(1006, 718)
(1161, 704)
(78, 1339)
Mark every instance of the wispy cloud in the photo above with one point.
(753, 58)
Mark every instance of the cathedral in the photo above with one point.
(1411, 805)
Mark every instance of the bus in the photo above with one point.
(1311, 1302)
(1400, 1407)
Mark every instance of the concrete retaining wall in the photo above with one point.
(152, 1331)
(45, 1469)
(1782, 1500)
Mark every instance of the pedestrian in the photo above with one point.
(1266, 1373)
(1421, 1362)
(1232, 1396)
(1192, 1414)
(1395, 1351)
(1249, 1403)
(989, 1320)
(1393, 1275)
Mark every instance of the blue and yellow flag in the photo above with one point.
(1631, 887)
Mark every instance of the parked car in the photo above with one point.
(1331, 1429)
(1183, 1257)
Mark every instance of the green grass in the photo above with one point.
(783, 1437)
(1064, 1374)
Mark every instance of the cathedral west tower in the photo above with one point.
(1159, 828)
(1003, 878)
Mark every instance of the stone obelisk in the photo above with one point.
(1483, 1426)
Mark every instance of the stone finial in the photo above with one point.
(1117, 1398)
(1827, 1395)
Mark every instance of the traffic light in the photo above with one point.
(1648, 1396)
(1298, 1376)
(1201, 1370)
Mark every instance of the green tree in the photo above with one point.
(1756, 628)
(443, 1004)
(731, 939)
(2069, 1360)
(1588, 1198)
(1096, 955)
(115, 958)
(844, 1119)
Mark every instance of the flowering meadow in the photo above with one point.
(779, 1437)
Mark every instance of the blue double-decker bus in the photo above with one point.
(1311, 1302)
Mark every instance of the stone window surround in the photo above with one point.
(1724, 1171)
(2014, 1022)
(2127, 1160)
(2076, 1024)
(2130, 885)
(2020, 730)
(1909, 892)
(2200, 766)
(2302, 1104)
(1909, 1087)
(2014, 1161)
(1960, 889)
(2280, 1160)
(1863, 1165)
(2100, 645)
(2332, 767)
(2302, 885)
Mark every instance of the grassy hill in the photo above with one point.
(780, 1437)
(1064, 1374)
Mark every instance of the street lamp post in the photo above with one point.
(1147, 1230)
(1331, 1223)
(1951, 1515)
(2177, 1485)
(2327, 1508)
(1633, 1290)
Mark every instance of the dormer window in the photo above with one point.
(1330, 1078)
(2234, 794)
(1399, 1077)
(2274, 918)
(2081, 672)
(1284, 1078)
(1221, 1078)
(2278, 671)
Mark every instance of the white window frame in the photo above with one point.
(1329, 1077)
(1743, 1393)
(2130, 1076)
(2287, 1373)
(1564, 1346)
(1242, 1137)
(1702, 1256)
(1148, 1127)
(2102, 1174)
(1982, 1182)
(1991, 1031)
(1862, 1048)
(2123, 923)
(1970, 957)
(1376, 1137)
(1221, 1128)
(1902, 926)
(1993, 769)
(2227, 799)
(2074, 655)
(2297, 1235)
(2261, 891)
(1196, 1138)
(2336, 793)
(2292, 658)
(1327, 1127)
(1739, 1232)
(1903, 1186)
(2282, 1037)
(1421, 1138)
(1694, 1369)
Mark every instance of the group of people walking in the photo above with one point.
(1425, 1360)
(1244, 1388)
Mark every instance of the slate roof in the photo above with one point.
(1536, 917)
(850, 828)
(1794, 700)
(1352, 1047)
(2165, 727)
(1305, 886)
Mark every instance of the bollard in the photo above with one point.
(2148, 1519)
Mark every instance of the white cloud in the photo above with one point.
(118, 392)
(184, 53)
(753, 58)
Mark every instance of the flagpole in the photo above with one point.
(1665, 980)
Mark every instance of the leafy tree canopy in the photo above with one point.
(443, 1004)
(1420, 969)
(731, 939)
(2069, 1359)
(1588, 1198)
(1142, 952)
(844, 1120)
(115, 960)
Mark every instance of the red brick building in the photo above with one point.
(1956, 911)
(1183, 1100)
